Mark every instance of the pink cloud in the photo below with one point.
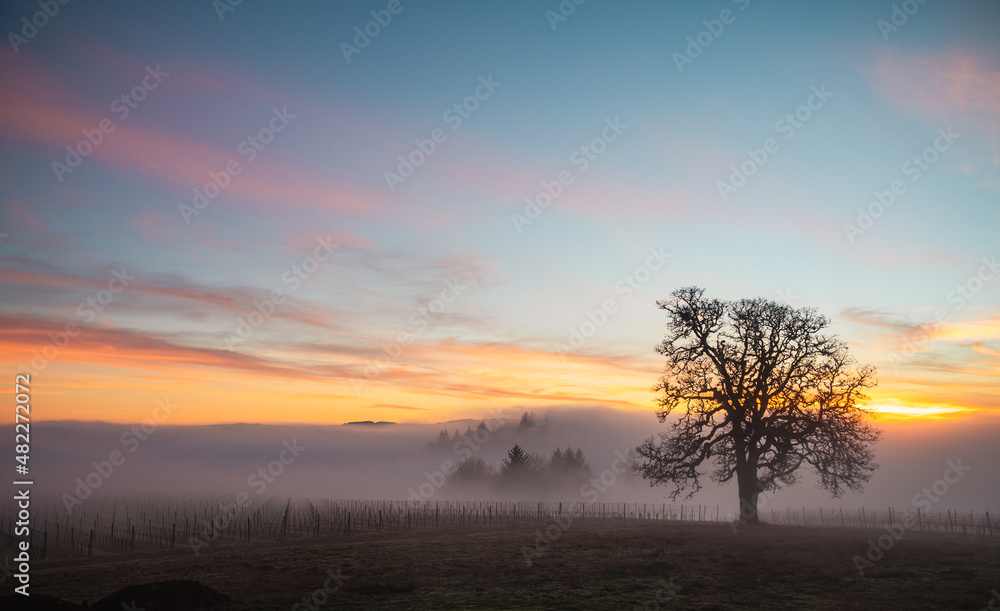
(944, 87)
(938, 85)
(22, 215)
(39, 109)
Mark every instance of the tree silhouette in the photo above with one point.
(568, 467)
(763, 393)
(518, 467)
(441, 443)
(517, 460)
(471, 470)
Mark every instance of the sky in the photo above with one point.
(420, 211)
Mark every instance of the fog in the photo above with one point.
(393, 462)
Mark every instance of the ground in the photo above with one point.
(586, 565)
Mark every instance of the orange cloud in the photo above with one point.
(440, 377)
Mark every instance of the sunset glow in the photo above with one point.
(254, 242)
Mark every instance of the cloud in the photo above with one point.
(942, 85)
(41, 110)
(886, 327)
(984, 349)
(930, 364)
(945, 87)
(402, 407)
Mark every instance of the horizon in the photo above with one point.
(389, 462)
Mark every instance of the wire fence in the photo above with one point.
(116, 525)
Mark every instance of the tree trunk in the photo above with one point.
(749, 490)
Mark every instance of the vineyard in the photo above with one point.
(117, 525)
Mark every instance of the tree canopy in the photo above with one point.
(761, 392)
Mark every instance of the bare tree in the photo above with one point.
(763, 393)
(472, 470)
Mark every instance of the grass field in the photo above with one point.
(588, 565)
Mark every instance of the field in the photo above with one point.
(581, 564)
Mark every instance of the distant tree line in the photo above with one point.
(446, 442)
(521, 470)
(563, 470)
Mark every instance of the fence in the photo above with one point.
(115, 525)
